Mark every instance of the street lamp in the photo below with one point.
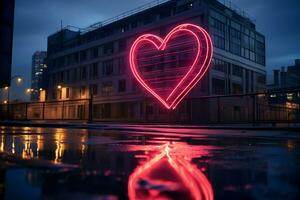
(7, 88)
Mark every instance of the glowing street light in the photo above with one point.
(7, 88)
(19, 79)
(41, 89)
(59, 87)
(5, 101)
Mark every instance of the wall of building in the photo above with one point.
(96, 63)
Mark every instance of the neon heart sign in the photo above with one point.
(170, 68)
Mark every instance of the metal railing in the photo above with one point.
(246, 108)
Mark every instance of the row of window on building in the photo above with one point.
(122, 26)
(237, 39)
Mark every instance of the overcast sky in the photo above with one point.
(278, 20)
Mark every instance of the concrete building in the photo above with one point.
(37, 69)
(285, 88)
(287, 77)
(94, 61)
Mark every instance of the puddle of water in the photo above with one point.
(45, 163)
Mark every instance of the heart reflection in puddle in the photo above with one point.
(169, 176)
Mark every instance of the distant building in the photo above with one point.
(285, 90)
(7, 8)
(287, 77)
(37, 69)
(94, 61)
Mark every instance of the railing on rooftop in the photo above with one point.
(124, 15)
(237, 9)
(149, 5)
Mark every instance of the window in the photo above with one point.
(107, 68)
(184, 7)
(108, 48)
(95, 52)
(59, 94)
(75, 58)
(236, 88)
(94, 70)
(237, 70)
(235, 41)
(218, 86)
(107, 88)
(74, 74)
(122, 86)
(121, 65)
(165, 13)
(82, 91)
(124, 28)
(82, 73)
(67, 93)
(122, 45)
(149, 18)
(220, 65)
(134, 24)
(67, 75)
(93, 89)
(261, 79)
(218, 32)
(83, 56)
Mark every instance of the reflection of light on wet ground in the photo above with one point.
(239, 164)
(169, 175)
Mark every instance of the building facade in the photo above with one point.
(37, 69)
(94, 61)
(287, 77)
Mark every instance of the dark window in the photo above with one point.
(93, 89)
(218, 32)
(121, 65)
(94, 70)
(235, 41)
(107, 68)
(218, 86)
(74, 74)
(122, 86)
(165, 13)
(237, 88)
(107, 88)
(108, 48)
(95, 52)
(134, 24)
(237, 70)
(83, 56)
(149, 18)
(83, 73)
(122, 45)
(220, 65)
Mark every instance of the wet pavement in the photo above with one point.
(143, 162)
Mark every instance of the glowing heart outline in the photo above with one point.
(161, 44)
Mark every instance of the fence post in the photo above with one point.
(26, 109)
(219, 109)
(90, 119)
(254, 109)
(43, 111)
(62, 110)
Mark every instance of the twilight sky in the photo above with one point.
(36, 19)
